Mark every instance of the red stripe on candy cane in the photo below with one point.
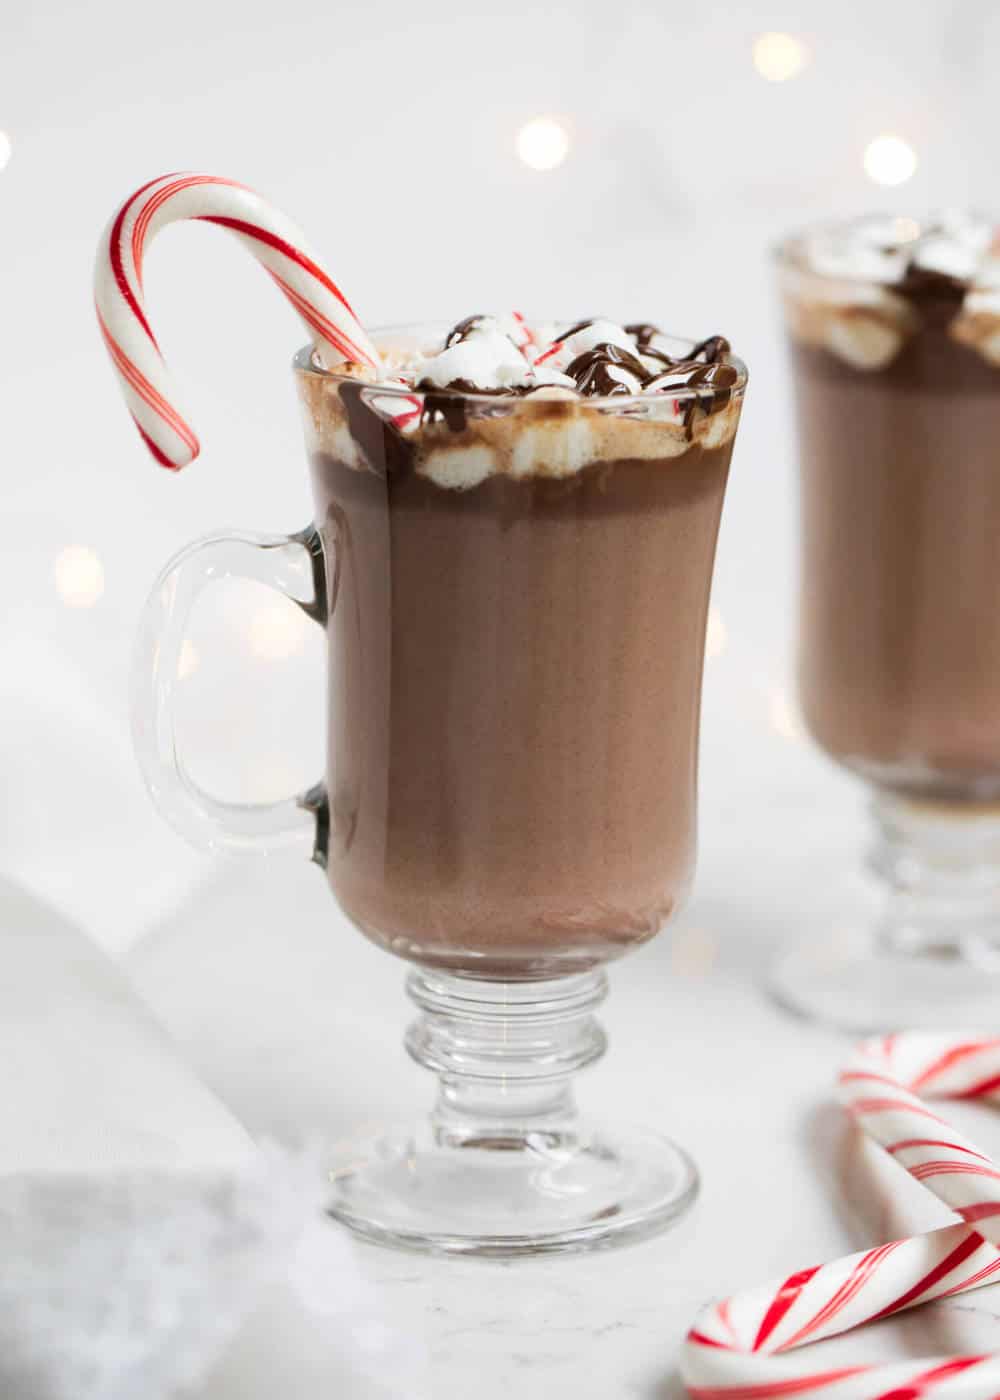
(881, 1282)
(921, 1385)
(159, 456)
(137, 381)
(553, 349)
(115, 253)
(985, 1210)
(724, 1317)
(933, 1142)
(152, 206)
(920, 1171)
(779, 1388)
(273, 241)
(923, 1286)
(950, 1058)
(978, 1090)
(318, 322)
(840, 1299)
(705, 1341)
(853, 1076)
(786, 1297)
(278, 246)
(890, 1106)
(973, 1282)
(526, 330)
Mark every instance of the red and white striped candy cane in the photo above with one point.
(276, 244)
(737, 1348)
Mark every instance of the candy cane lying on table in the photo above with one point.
(736, 1349)
(272, 239)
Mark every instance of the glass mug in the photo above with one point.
(515, 661)
(899, 638)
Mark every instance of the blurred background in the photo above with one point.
(636, 160)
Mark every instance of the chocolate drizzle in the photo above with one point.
(643, 333)
(446, 406)
(594, 371)
(936, 295)
(644, 336)
(464, 329)
(711, 351)
(379, 440)
(918, 283)
(607, 370)
(579, 326)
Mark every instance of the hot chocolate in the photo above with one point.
(523, 538)
(895, 334)
(511, 561)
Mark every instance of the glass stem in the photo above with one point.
(505, 1054)
(940, 864)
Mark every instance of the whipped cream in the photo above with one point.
(485, 359)
(886, 250)
(506, 354)
(556, 399)
(855, 288)
(563, 351)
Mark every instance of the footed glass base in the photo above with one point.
(919, 946)
(856, 983)
(538, 1195)
(504, 1166)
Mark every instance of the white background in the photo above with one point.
(389, 133)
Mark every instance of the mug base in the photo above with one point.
(423, 1189)
(856, 983)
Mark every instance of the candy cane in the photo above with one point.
(735, 1351)
(276, 244)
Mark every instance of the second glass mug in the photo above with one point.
(899, 634)
(515, 662)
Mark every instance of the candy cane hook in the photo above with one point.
(118, 292)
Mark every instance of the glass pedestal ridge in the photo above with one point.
(505, 1164)
(919, 946)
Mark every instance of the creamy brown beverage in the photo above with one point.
(895, 340)
(523, 557)
(510, 560)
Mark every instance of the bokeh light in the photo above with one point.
(784, 716)
(716, 635)
(543, 143)
(277, 630)
(778, 57)
(889, 160)
(694, 951)
(187, 660)
(79, 576)
(905, 229)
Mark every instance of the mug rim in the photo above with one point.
(304, 363)
(788, 251)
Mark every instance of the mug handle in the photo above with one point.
(294, 565)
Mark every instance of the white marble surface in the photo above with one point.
(295, 1021)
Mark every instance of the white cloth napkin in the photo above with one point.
(131, 1212)
(139, 1225)
(90, 1080)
